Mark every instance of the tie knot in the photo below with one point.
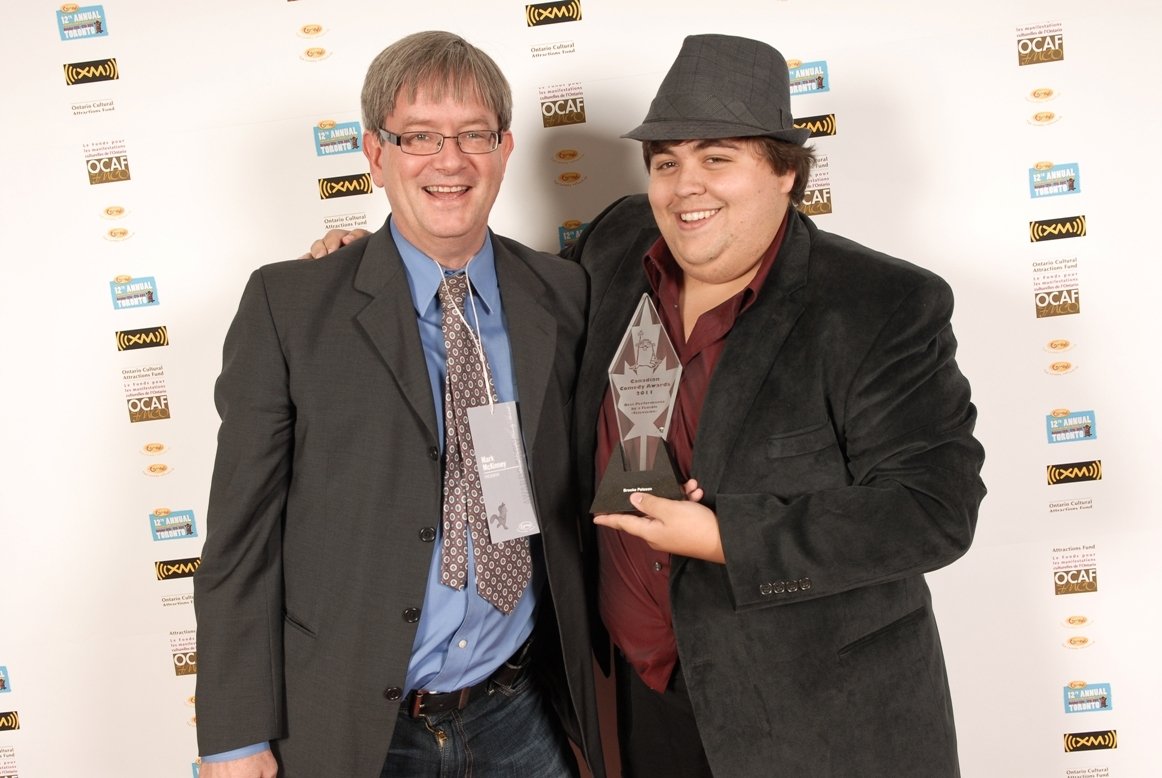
(453, 290)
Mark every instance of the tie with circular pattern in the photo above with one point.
(503, 570)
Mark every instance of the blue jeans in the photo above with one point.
(510, 732)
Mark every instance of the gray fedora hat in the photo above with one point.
(722, 86)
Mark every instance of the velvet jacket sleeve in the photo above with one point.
(857, 464)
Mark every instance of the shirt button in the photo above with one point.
(393, 693)
(463, 644)
(434, 453)
(411, 615)
(428, 534)
(657, 567)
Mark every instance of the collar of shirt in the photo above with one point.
(665, 277)
(424, 277)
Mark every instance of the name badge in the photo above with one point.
(504, 479)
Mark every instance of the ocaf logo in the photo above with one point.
(150, 337)
(1079, 581)
(1040, 48)
(105, 170)
(816, 201)
(176, 568)
(818, 125)
(1091, 741)
(553, 13)
(1056, 229)
(149, 408)
(88, 72)
(1073, 472)
(344, 186)
(1057, 302)
(185, 663)
(567, 109)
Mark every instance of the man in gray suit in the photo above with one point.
(329, 643)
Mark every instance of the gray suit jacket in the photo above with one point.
(836, 447)
(327, 474)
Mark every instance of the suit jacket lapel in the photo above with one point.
(532, 336)
(390, 322)
(749, 356)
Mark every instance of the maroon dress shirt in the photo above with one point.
(633, 579)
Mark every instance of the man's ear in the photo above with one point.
(374, 151)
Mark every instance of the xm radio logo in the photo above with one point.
(9, 720)
(88, 72)
(1091, 741)
(185, 663)
(1057, 302)
(553, 13)
(150, 337)
(176, 568)
(1055, 229)
(344, 186)
(1073, 472)
(818, 125)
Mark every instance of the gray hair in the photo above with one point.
(440, 62)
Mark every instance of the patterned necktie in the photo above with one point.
(503, 570)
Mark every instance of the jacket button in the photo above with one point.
(434, 453)
(393, 693)
(780, 587)
(428, 534)
(411, 615)
(804, 583)
(765, 589)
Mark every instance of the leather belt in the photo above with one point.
(424, 703)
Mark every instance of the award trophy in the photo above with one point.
(644, 380)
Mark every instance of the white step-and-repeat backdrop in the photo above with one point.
(158, 152)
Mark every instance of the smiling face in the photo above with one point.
(719, 204)
(440, 203)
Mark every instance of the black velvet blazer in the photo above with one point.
(836, 447)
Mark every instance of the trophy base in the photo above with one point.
(618, 483)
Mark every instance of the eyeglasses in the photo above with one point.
(424, 144)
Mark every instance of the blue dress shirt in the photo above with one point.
(461, 638)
